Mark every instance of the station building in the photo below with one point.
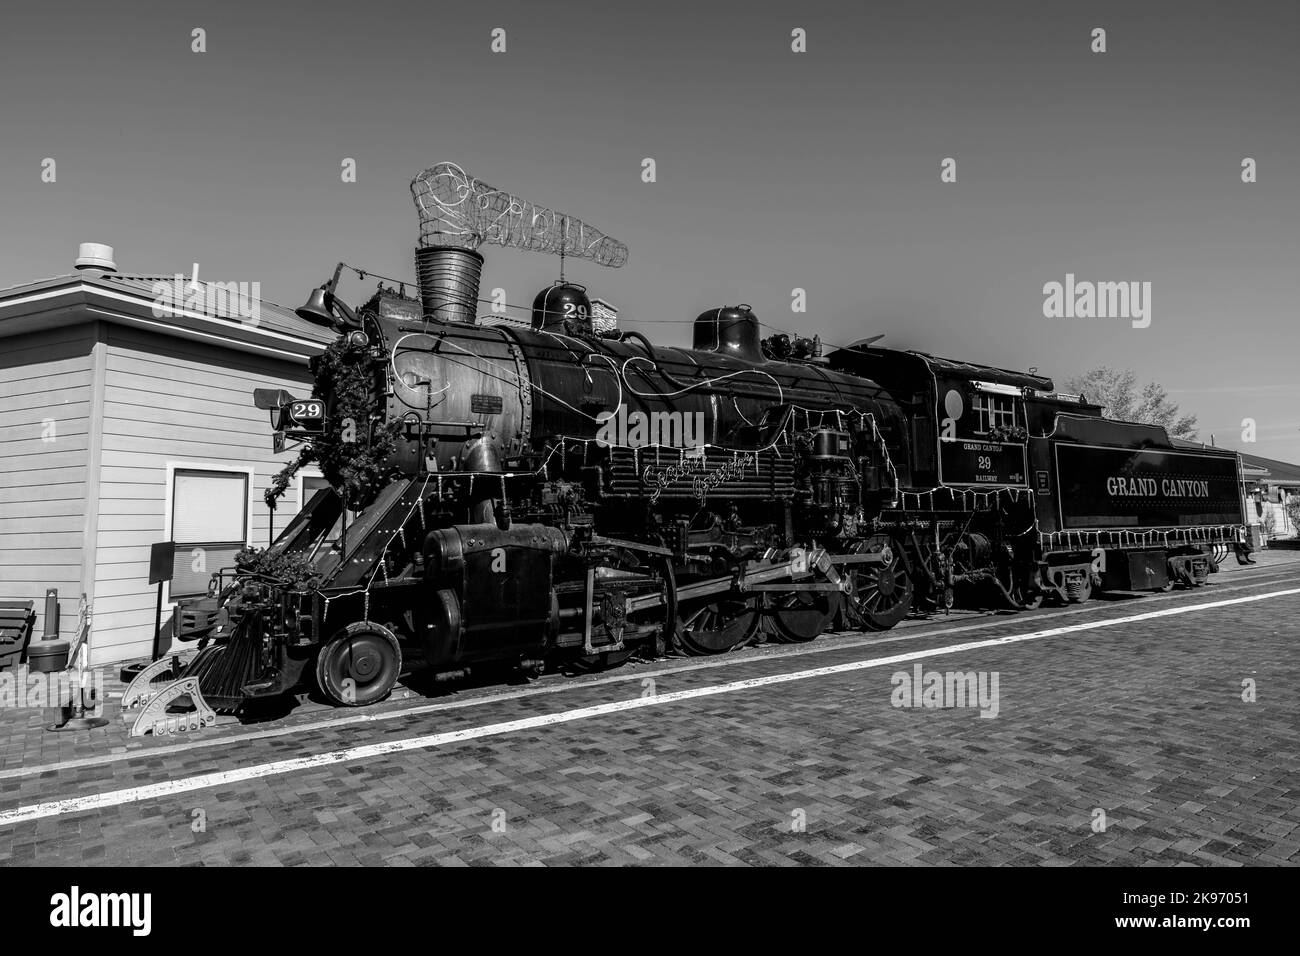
(1273, 487)
(127, 420)
(1269, 489)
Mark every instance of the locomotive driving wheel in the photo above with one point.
(799, 616)
(880, 595)
(718, 622)
(716, 626)
(359, 665)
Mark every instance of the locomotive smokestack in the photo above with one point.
(458, 213)
(448, 278)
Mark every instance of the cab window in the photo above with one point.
(993, 411)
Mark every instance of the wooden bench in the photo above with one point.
(16, 622)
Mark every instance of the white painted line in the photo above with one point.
(914, 631)
(172, 788)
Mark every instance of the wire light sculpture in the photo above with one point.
(459, 210)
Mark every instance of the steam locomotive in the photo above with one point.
(555, 495)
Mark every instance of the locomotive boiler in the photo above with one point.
(549, 494)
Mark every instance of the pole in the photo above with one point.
(74, 713)
(51, 615)
(157, 625)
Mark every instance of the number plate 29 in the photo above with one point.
(310, 413)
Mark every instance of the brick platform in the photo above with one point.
(1143, 722)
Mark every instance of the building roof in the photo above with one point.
(1255, 466)
(204, 310)
(1279, 472)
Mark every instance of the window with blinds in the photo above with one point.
(209, 526)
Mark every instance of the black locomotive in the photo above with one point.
(553, 495)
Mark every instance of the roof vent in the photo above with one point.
(95, 255)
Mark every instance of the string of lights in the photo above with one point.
(1218, 534)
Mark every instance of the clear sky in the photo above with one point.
(775, 170)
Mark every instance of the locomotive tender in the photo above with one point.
(551, 494)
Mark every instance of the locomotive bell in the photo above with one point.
(323, 308)
(564, 304)
(315, 310)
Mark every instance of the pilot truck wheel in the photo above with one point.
(360, 665)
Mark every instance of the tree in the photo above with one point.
(1118, 393)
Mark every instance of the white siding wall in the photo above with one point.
(170, 401)
(44, 377)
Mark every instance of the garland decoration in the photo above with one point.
(290, 570)
(280, 481)
(355, 448)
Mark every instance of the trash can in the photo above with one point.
(47, 657)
